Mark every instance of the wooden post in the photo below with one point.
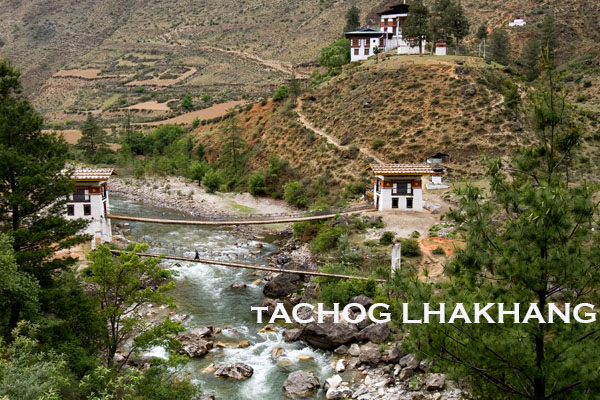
(396, 258)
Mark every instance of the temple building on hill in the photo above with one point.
(89, 201)
(391, 24)
(400, 186)
(363, 43)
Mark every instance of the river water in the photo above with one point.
(202, 292)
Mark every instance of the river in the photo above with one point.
(202, 291)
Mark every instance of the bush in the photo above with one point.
(377, 144)
(197, 170)
(439, 251)
(410, 248)
(293, 192)
(281, 94)
(342, 290)
(387, 238)
(195, 123)
(326, 239)
(256, 184)
(415, 235)
(212, 180)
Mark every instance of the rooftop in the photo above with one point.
(401, 169)
(92, 174)
(365, 31)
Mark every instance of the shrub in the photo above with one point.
(410, 248)
(212, 180)
(376, 144)
(387, 238)
(256, 184)
(281, 94)
(195, 123)
(439, 251)
(293, 192)
(197, 170)
(186, 102)
(415, 235)
(326, 239)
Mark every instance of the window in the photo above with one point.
(356, 52)
(81, 195)
(355, 43)
(366, 51)
(409, 202)
(70, 209)
(87, 209)
(381, 42)
(401, 188)
(377, 185)
(395, 202)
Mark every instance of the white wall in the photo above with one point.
(404, 47)
(99, 226)
(374, 42)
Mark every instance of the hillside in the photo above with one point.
(106, 56)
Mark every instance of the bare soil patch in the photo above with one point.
(218, 110)
(151, 105)
(164, 82)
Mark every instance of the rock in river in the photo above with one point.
(329, 335)
(282, 285)
(300, 384)
(195, 348)
(237, 371)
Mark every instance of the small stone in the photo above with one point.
(267, 329)
(409, 361)
(209, 369)
(291, 335)
(340, 365)
(277, 352)
(406, 373)
(332, 382)
(243, 344)
(342, 350)
(435, 382)
(304, 358)
(354, 350)
(238, 285)
(300, 384)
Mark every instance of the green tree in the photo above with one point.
(212, 179)
(530, 58)
(256, 184)
(482, 35)
(198, 169)
(93, 137)
(233, 146)
(27, 372)
(531, 240)
(15, 284)
(512, 98)
(416, 27)
(352, 19)
(456, 23)
(500, 46)
(293, 192)
(124, 284)
(187, 103)
(33, 189)
(548, 35)
(334, 56)
(295, 88)
(439, 29)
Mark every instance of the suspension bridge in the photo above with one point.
(252, 219)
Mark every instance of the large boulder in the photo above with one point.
(343, 392)
(376, 333)
(300, 384)
(329, 335)
(237, 371)
(282, 285)
(291, 335)
(370, 354)
(270, 304)
(195, 348)
(409, 361)
(362, 300)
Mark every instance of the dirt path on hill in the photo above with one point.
(330, 139)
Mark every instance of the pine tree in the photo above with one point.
(233, 145)
(439, 29)
(531, 239)
(352, 19)
(456, 23)
(93, 137)
(530, 58)
(512, 99)
(548, 35)
(33, 189)
(482, 35)
(500, 46)
(416, 27)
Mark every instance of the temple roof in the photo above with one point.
(365, 32)
(401, 169)
(92, 174)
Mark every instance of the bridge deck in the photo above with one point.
(253, 266)
(265, 221)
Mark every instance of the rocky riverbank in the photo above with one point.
(188, 197)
